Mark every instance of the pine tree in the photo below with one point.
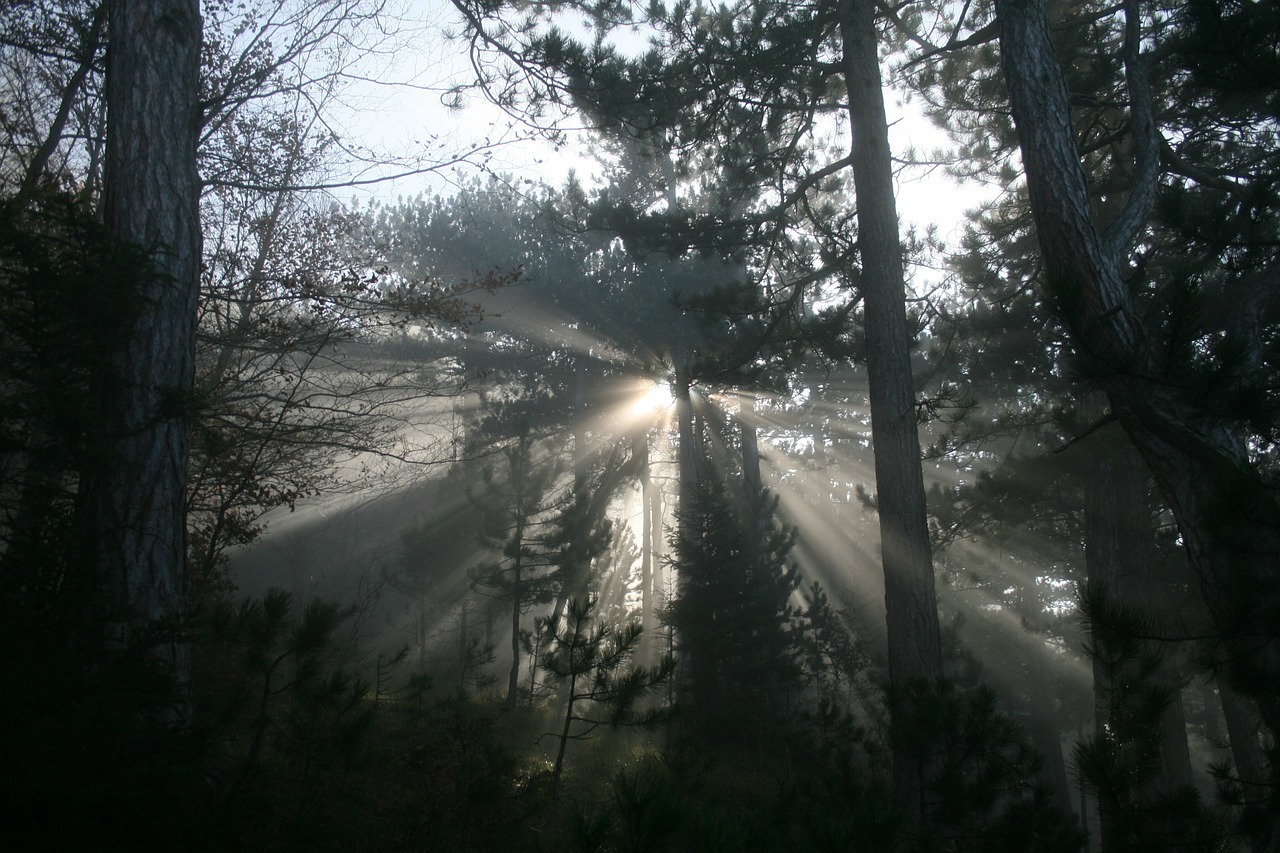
(1173, 369)
(515, 497)
(592, 660)
(733, 616)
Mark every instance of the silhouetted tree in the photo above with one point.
(732, 615)
(592, 660)
(133, 527)
(516, 498)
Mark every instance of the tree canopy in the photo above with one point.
(810, 529)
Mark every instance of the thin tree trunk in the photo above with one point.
(656, 543)
(422, 629)
(86, 58)
(915, 652)
(558, 768)
(750, 457)
(513, 678)
(464, 643)
(640, 451)
(134, 490)
(577, 568)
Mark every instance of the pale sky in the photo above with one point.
(406, 117)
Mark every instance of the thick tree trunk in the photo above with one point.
(134, 491)
(1242, 733)
(910, 602)
(1119, 543)
(1228, 520)
(687, 451)
(1045, 734)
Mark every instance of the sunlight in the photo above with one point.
(654, 399)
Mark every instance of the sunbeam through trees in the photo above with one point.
(489, 426)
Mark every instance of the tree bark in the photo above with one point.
(915, 651)
(133, 494)
(1242, 734)
(688, 452)
(1119, 543)
(1228, 520)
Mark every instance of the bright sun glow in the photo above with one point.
(656, 398)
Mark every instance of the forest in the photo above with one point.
(691, 489)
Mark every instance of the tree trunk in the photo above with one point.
(1242, 734)
(1045, 734)
(422, 629)
(656, 543)
(640, 452)
(513, 677)
(464, 643)
(134, 490)
(915, 652)
(1119, 551)
(1228, 519)
(86, 57)
(688, 454)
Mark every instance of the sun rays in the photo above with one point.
(815, 454)
(654, 399)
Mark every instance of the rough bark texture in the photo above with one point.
(910, 600)
(134, 490)
(1229, 522)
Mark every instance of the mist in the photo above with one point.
(620, 427)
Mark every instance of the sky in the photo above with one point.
(399, 109)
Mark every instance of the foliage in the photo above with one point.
(732, 614)
(1121, 763)
(66, 285)
(295, 696)
(304, 754)
(831, 655)
(592, 661)
(983, 794)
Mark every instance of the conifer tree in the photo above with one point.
(1141, 344)
(592, 660)
(516, 498)
(1150, 189)
(763, 77)
(732, 614)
